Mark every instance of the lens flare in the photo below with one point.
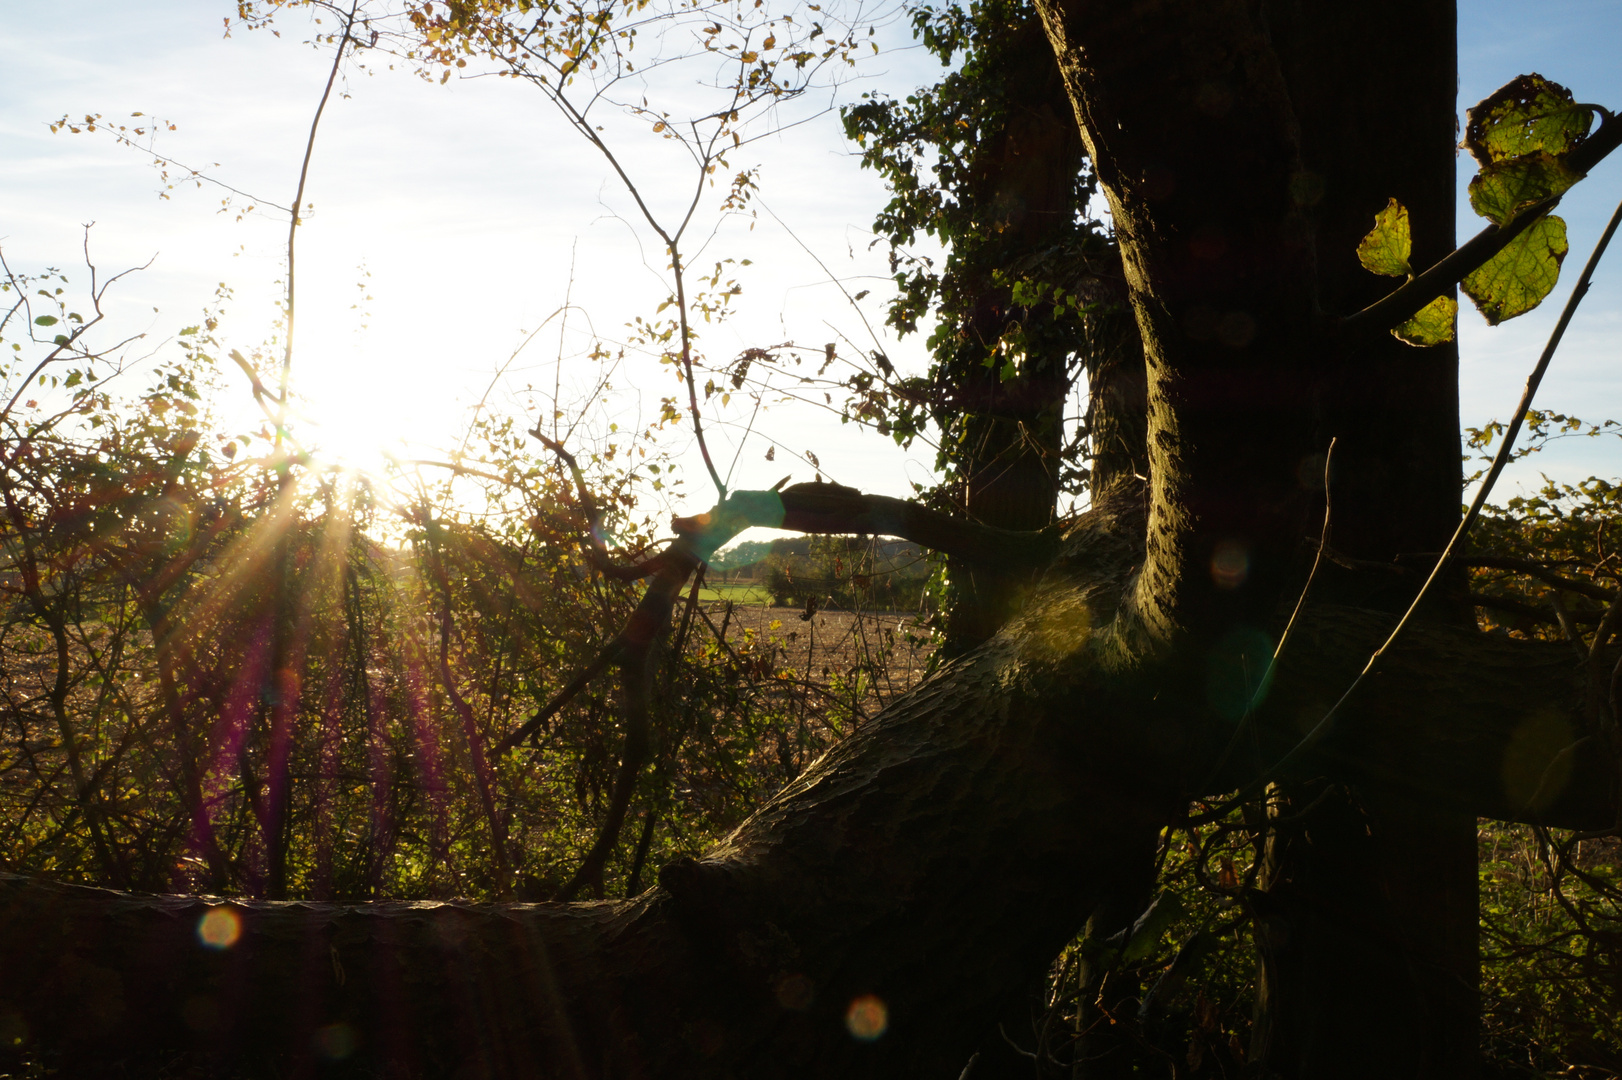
(219, 928)
(1230, 565)
(335, 1042)
(867, 1017)
(795, 992)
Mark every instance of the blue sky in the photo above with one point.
(1572, 42)
(476, 214)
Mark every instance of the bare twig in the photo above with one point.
(1283, 639)
(606, 656)
(296, 217)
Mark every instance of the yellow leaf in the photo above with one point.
(1432, 325)
(1386, 248)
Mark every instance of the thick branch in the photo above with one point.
(1482, 723)
(835, 509)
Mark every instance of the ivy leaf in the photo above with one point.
(1528, 115)
(1433, 325)
(1503, 189)
(1151, 925)
(1386, 248)
(1518, 278)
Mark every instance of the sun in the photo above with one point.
(348, 415)
(351, 437)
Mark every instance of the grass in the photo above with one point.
(737, 593)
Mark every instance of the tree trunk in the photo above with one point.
(1272, 97)
(1374, 916)
(1010, 432)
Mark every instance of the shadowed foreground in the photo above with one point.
(922, 873)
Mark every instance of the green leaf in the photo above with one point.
(1528, 115)
(1386, 248)
(45, 320)
(1151, 926)
(1433, 325)
(1503, 189)
(1519, 277)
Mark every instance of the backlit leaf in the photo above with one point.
(1525, 116)
(1433, 325)
(1385, 250)
(45, 320)
(1504, 188)
(1518, 278)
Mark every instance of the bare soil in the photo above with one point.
(868, 658)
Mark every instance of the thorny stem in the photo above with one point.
(1502, 458)
(1283, 639)
(482, 773)
(606, 656)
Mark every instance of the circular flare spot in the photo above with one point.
(795, 992)
(335, 1042)
(1230, 565)
(13, 1030)
(1236, 330)
(867, 1017)
(219, 928)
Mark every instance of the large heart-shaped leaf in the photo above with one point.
(1518, 278)
(1505, 188)
(1528, 115)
